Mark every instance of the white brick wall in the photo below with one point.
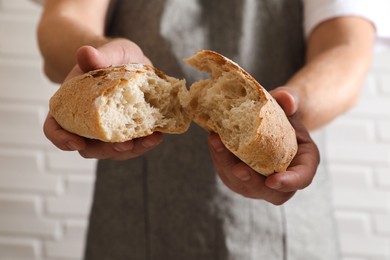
(357, 150)
(45, 194)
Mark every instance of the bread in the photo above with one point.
(120, 103)
(248, 120)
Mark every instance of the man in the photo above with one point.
(161, 200)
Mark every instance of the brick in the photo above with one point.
(80, 187)
(76, 199)
(69, 161)
(372, 107)
(75, 230)
(19, 205)
(369, 87)
(72, 243)
(346, 129)
(78, 207)
(32, 86)
(318, 135)
(22, 171)
(358, 152)
(64, 250)
(384, 131)
(20, 249)
(382, 224)
(18, 34)
(365, 246)
(384, 83)
(22, 215)
(346, 176)
(26, 182)
(369, 200)
(353, 223)
(21, 125)
(383, 177)
(35, 227)
(381, 62)
(10, 161)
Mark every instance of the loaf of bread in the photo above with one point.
(247, 118)
(121, 103)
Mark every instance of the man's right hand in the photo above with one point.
(114, 52)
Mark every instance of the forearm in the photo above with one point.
(338, 57)
(64, 27)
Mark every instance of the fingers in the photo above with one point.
(116, 52)
(276, 188)
(223, 160)
(302, 169)
(89, 59)
(121, 151)
(254, 185)
(61, 138)
(287, 98)
(89, 148)
(122, 51)
(240, 178)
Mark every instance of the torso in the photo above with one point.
(170, 204)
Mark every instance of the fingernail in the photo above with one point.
(217, 144)
(122, 147)
(275, 185)
(72, 146)
(147, 143)
(243, 175)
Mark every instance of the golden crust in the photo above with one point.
(74, 104)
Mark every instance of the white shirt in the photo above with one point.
(375, 11)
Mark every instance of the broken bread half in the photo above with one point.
(247, 118)
(121, 103)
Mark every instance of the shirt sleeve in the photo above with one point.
(376, 11)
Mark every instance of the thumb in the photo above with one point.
(287, 98)
(115, 52)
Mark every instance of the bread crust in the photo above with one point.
(273, 145)
(75, 105)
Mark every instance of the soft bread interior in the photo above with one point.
(143, 105)
(227, 105)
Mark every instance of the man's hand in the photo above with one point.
(115, 52)
(279, 187)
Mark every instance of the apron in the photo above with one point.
(169, 203)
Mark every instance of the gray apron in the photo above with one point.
(169, 203)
